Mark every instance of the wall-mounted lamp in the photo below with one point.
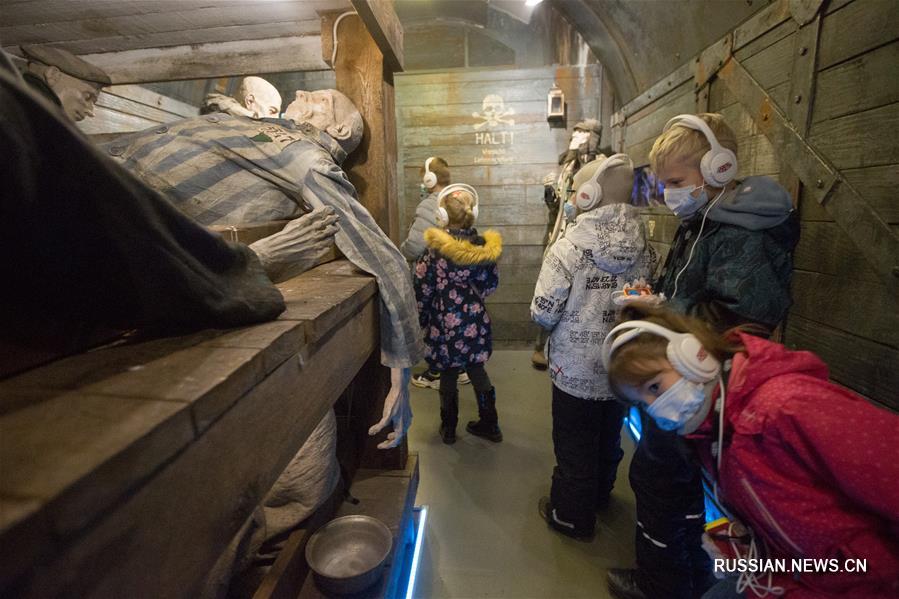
(555, 104)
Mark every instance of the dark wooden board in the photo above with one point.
(862, 139)
(876, 184)
(859, 84)
(857, 28)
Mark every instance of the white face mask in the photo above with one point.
(570, 211)
(681, 201)
(680, 402)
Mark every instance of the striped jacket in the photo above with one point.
(222, 169)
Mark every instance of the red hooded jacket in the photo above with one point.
(812, 468)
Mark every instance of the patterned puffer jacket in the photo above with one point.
(452, 280)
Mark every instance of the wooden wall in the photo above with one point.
(437, 116)
(842, 310)
(125, 108)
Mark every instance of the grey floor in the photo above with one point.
(484, 537)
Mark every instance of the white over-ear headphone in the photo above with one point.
(442, 215)
(685, 352)
(430, 178)
(719, 165)
(589, 194)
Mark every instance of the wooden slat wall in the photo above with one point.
(124, 108)
(841, 310)
(435, 119)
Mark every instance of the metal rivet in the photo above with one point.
(803, 51)
(797, 99)
(819, 184)
(212, 119)
(162, 129)
(117, 150)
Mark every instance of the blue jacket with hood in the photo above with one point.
(741, 267)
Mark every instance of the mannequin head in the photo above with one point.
(330, 111)
(75, 82)
(259, 97)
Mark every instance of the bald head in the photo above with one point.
(259, 97)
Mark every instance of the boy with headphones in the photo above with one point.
(435, 176)
(730, 263)
(603, 249)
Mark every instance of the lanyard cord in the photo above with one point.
(696, 241)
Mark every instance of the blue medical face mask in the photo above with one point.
(570, 211)
(681, 201)
(680, 402)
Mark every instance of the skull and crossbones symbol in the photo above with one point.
(494, 112)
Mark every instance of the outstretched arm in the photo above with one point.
(397, 409)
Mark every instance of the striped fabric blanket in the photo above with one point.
(222, 169)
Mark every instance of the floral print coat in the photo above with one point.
(452, 280)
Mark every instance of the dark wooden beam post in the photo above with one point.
(366, 79)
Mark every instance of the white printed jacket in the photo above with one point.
(604, 249)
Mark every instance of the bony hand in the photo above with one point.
(299, 245)
(223, 103)
(397, 409)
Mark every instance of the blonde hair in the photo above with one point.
(682, 144)
(459, 205)
(638, 361)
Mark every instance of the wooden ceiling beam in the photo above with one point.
(203, 61)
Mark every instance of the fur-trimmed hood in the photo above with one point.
(473, 250)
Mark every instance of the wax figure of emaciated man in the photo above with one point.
(64, 79)
(226, 170)
(255, 98)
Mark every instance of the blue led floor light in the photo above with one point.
(416, 554)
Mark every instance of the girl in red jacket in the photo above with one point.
(808, 467)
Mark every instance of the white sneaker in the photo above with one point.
(463, 379)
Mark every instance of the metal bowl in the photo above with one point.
(347, 554)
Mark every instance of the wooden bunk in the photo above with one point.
(125, 471)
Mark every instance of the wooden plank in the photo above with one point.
(322, 300)
(660, 228)
(859, 140)
(823, 247)
(64, 451)
(487, 175)
(493, 74)
(519, 234)
(385, 27)
(523, 214)
(643, 126)
(124, 554)
(151, 98)
(107, 121)
(411, 93)
(856, 29)
(514, 292)
(466, 114)
(877, 185)
(488, 154)
(517, 334)
(21, 519)
(522, 255)
(757, 156)
(209, 60)
(81, 20)
(860, 84)
(772, 65)
(219, 35)
(763, 42)
(834, 302)
(858, 363)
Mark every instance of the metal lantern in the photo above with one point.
(555, 104)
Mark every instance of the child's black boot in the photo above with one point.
(487, 425)
(449, 415)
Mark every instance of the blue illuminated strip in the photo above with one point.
(419, 535)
